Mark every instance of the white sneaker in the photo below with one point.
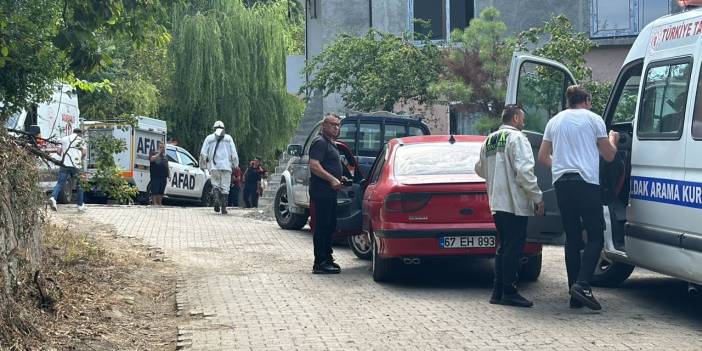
(52, 203)
(82, 208)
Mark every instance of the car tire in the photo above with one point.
(66, 194)
(382, 267)
(610, 274)
(281, 207)
(361, 246)
(206, 199)
(531, 270)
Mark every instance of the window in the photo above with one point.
(625, 96)
(186, 159)
(437, 18)
(624, 17)
(664, 99)
(369, 139)
(171, 155)
(378, 167)
(437, 159)
(393, 131)
(414, 131)
(697, 121)
(541, 93)
(347, 135)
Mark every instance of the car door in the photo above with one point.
(194, 178)
(539, 85)
(350, 197)
(175, 170)
(300, 169)
(370, 201)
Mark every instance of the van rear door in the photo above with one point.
(539, 85)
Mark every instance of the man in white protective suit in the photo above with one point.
(218, 154)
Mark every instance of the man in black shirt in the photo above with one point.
(325, 181)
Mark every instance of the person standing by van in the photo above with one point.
(219, 155)
(507, 164)
(159, 174)
(573, 142)
(72, 151)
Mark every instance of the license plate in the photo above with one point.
(455, 242)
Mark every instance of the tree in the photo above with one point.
(230, 66)
(476, 68)
(374, 71)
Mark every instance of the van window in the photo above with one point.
(369, 139)
(664, 99)
(541, 93)
(697, 120)
(347, 135)
(415, 131)
(625, 108)
(171, 155)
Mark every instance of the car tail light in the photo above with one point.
(406, 202)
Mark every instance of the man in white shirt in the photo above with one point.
(507, 164)
(573, 142)
(219, 155)
(73, 151)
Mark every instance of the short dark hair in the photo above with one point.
(577, 94)
(509, 112)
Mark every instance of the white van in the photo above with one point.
(55, 119)
(187, 181)
(656, 106)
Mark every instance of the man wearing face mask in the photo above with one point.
(218, 154)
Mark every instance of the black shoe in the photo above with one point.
(515, 300)
(496, 297)
(224, 210)
(583, 293)
(325, 268)
(216, 208)
(575, 303)
(331, 260)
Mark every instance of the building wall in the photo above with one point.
(293, 77)
(606, 61)
(390, 16)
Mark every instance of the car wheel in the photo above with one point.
(281, 207)
(206, 199)
(382, 267)
(66, 194)
(361, 246)
(609, 273)
(531, 270)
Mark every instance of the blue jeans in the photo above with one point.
(64, 175)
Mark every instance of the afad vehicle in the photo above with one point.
(53, 119)
(187, 181)
(656, 106)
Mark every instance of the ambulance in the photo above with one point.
(187, 181)
(53, 119)
(656, 105)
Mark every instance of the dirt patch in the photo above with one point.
(102, 293)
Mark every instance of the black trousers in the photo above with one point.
(511, 231)
(250, 197)
(580, 204)
(323, 222)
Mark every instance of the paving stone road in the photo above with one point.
(245, 284)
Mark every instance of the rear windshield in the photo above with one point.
(436, 158)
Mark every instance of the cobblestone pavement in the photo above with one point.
(245, 284)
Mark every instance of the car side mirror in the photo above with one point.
(294, 150)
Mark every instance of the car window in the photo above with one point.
(347, 135)
(378, 167)
(664, 100)
(185, 159)
(414, 131)
(541, 93)
(393, 131)
(369, 139)
(437, 158)
(308, 142)
(171, 155)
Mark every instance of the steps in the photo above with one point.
(313, 114)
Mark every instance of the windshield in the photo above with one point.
(436, 158)
(12, 121)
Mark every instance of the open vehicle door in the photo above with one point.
(349, 198)
(539, 85)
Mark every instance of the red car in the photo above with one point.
(423, 199)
